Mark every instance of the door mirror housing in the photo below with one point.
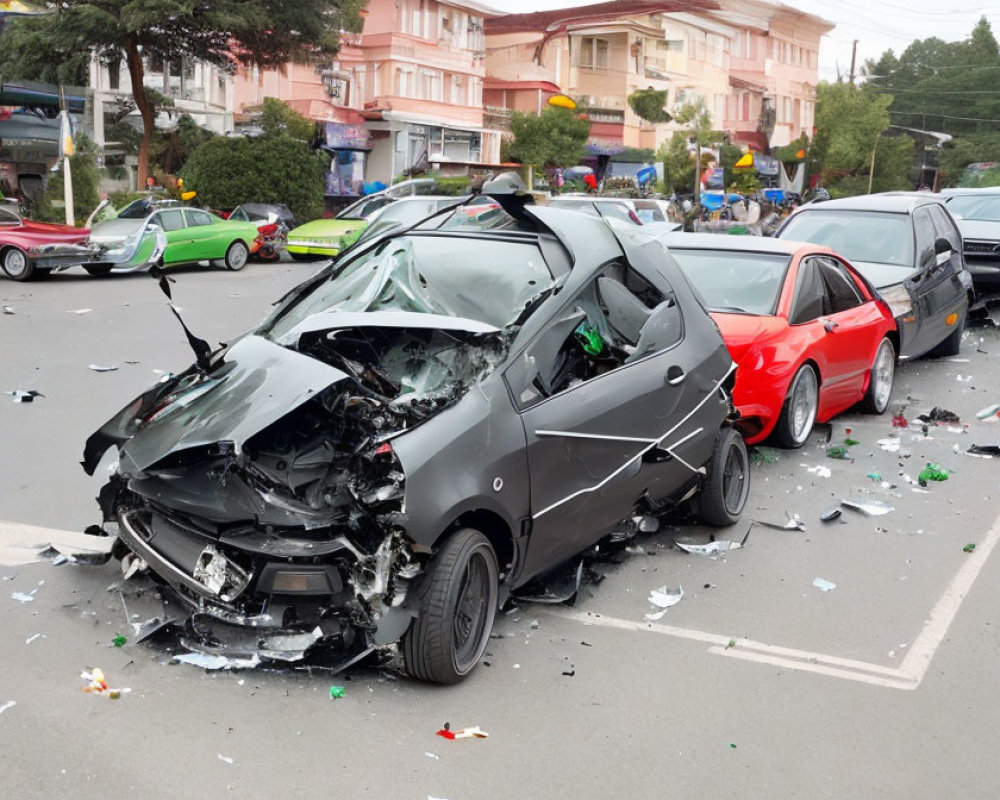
(942, 250)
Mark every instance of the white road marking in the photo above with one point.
(908, 675)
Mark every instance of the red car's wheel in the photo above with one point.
(876, 399)
(799, 411)
(17, 265)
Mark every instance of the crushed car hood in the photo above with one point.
(114, 230)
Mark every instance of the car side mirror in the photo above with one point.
(942, 250)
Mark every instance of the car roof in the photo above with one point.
(589, 198)
(893, 202)
(744, 244)
(967, 190)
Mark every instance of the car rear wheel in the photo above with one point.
(237, 256)
(456, 611)
(727, 486)
(17, 265)
(799, 411)
(876, 399)
(98, 269)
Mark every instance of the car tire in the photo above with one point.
(237, 256)
(798, 413)
(457, 605)
(98, 269)
(949, 346)
(880, 378)
(267, 254)
(17, 265)
(726, 487)
(304, 257)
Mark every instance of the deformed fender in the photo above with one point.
(471, 456)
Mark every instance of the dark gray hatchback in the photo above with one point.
(422, 428)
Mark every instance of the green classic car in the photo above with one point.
(147, 232)
(325, 238)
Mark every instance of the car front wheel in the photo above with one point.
(727, 484)
(237, 256)
(456, 609)
(17, 265)
(799, 411)
(883, 370)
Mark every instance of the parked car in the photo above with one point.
(908, 247)
(977, 214)
(419, 429)
(597, 206)
(148, 232)
(28, 247)
(274, 221)
(810, 335)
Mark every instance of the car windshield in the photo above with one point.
(486, 280)
(874, 236)
(733, 280)
(137, 209)
(976, 206)
(365, 207)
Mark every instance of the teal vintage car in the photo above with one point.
(150, 231)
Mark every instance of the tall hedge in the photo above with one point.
(274, 168)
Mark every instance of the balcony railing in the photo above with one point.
(497, 117)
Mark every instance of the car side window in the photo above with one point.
(841, 290)
(8, 217)
(926, 235)
(239, 214)
(810, 301)
(197, 218)
(172, 220)
(617, 319)
(944, 227)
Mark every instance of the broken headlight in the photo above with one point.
(898, 299)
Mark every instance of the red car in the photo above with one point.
(809, 335)
(26, 246)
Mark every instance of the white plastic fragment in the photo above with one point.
(207, 661)
(227, 759)
(824, 585)
(8, 310)
(989, 411)
(8, 704)
(663, 598)
(32, 638)
(712, 549)
(962, 379)
(79, 311)
(23, 598)
(818, 470)
(103, 367)
(435, 756)
(890, 444)
(870, 508)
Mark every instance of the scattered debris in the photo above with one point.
(839, 451)
(571, 672)
(870, 508)
(79, 311)
(831, 515)
(474, 732)
(932, 472)
(213, 662)
(969, 548)
(34, 637)
(97, 684)
(764, 455)
(899, 421)
(824, 585)
(103, 367)
(939, 415)
(337, 692)
(663, 598)
(715, 548)
(119, 641)
(793, 522)
(874, 476)
(963, 379)
(435, 756)
(227, 759)
(818, 470)
(8, 310)
(890, 444)
(730, 644)
(989, 411)
(984, 450)
(24, 395)
(23, 598)
(8, 704)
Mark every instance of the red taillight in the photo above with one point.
(267, 230)
(383, 449)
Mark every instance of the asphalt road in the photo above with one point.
(756, 684)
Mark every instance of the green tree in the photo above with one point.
(648, 104)
(964, 150)
(695, 118)
(678, 163)
(267, 33)
(555, 138)
(86, 178)
(170, 149)
(277, 117)
(227, 171)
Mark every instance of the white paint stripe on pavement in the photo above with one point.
(909, 675)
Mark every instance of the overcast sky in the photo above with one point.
(877, 25)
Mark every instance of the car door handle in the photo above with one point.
(674, 376)
(830, 325)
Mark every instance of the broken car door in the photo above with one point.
(596, 391)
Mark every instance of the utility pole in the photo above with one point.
(66, 150)
(854, 56)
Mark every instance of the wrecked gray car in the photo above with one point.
(418, 431)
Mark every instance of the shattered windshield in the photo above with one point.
(486, 280)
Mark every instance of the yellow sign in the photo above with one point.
(746, 160)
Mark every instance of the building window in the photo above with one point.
(670, 45)
(593, 52)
